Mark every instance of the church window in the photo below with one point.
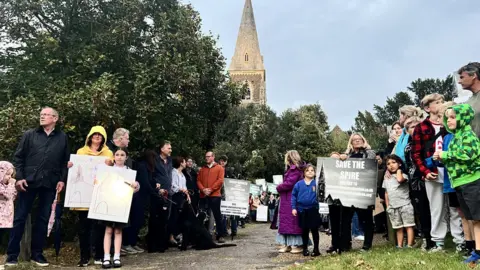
(246, 57)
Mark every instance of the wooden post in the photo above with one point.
(26, 243)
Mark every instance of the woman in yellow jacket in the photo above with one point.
(95, 145)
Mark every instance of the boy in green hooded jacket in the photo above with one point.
(462, 161)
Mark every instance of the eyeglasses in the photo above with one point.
(208, 156)
(46, 114)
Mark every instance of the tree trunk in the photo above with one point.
(26, 243)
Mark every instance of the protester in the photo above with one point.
(357, 147)
(395, 135)
(406, 112)
(223, 161)
(191, 177)
(8, 194)
(463, 165)
(95, 145)
(427, 138)
(41, 168)
(289, 232)
(397, 199)
(160, 175)
(271, 207)
(210, 181)
(179, 193)
(305, 205)
(121, 139)
(418, 193)
(120, 156)
(469, 79)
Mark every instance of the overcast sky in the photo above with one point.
(349, 55)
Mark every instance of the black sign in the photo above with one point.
(352, 181)
(236, 190)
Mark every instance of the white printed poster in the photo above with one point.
(236, 195)
(261, 182)
(234, 208)
(112, 194)
(80, 180)
(277, 179)
(262, 213)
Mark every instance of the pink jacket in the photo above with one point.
(8, 193)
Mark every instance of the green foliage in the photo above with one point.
(339, 139)
(374, 132)
(422, 87)
(143, 65)
(389, 113)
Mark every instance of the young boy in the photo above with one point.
(450, 195)
(462, 161)
(428, 138)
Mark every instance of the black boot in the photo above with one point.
(315, 253)
(305, 252)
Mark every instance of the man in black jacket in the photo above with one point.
(41, 163)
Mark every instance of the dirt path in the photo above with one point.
(256, 249)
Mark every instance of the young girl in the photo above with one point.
(120, 156)
(305, 205)
(397, 199)
(8, 193)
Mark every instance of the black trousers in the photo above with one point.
(89, 230)
(213, 203)
(157, 239)
(422, 206)
(315, 236)
(341, 226)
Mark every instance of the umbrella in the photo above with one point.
(51, 220)
(57, 229)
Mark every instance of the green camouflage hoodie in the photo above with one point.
(463, 156)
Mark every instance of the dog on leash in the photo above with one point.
(193, 230)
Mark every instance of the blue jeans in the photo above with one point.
(39, 230)
(356, 227)
(136, 220)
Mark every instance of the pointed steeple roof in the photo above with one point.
(247, 54)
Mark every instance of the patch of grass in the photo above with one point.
(385, 257)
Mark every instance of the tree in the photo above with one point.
(422, 87)
(373, 131)
(141, 64)
(388, 114)
(339, 139)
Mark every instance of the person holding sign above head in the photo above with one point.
(357, 147)
(305, 206)
(95, 145)
(397, 199)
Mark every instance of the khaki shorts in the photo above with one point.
(401, 217)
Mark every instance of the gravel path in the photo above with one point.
(256, 249)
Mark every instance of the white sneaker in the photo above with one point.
(359, 238)
(437, 248)
(97, 262)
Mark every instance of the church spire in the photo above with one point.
(247, 54)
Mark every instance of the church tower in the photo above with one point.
(247, 61)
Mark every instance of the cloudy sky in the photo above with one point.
(349, 55)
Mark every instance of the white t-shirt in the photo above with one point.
(438, 147)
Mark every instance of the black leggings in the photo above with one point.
(315, 235)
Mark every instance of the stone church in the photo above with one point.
(247, 62)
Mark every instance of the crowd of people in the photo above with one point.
(429, 175)
(163, 183)
(428, 178)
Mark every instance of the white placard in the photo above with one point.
(112, 194)
(261, 182)
(262, 213)
(80, 180)
(231, 208)
(323, 208)
(277, 179)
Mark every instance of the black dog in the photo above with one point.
(193, 230)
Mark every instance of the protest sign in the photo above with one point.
(277, 179)
(262, 183)
(255, 190)
(272, 188)
(236, 197)
(262, 213)
(323, 208)
(353, 181)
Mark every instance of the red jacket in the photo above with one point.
(423, 134)
(211, 178)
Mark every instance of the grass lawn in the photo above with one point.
(387, 257)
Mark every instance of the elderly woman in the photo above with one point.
(341, 216)
(289, 232)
